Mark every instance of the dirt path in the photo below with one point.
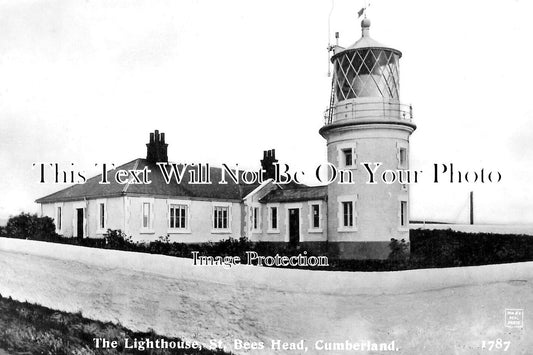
(448, 321)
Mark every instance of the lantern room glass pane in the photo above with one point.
(367, 73)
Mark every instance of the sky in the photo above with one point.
(84, 82)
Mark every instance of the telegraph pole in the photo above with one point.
(471, 207)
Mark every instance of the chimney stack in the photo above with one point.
(267, 164)
(157, 148)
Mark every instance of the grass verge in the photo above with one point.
(27, 328)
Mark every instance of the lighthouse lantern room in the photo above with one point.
(366, 80)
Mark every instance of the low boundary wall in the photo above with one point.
(278, 279)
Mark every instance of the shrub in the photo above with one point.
(117, 239)
(229, 247)
(30, 226)
(399, 250)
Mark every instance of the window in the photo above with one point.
(255, 217)
(220, 217)
(178, 216)
(403, 214)
(347, 157)
(315, 210)
(347, 214)
(273, 218)
(147, 215)
(403, 157)
(58, 218)
(402, 154)
(101, 214)
(146, 211)
(315, 216)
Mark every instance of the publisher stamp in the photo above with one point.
(514, 318)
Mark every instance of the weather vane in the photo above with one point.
(363, 9)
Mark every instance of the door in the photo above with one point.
(294, 226)
(79, 222)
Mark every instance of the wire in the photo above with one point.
(329, 35)
(329, 21)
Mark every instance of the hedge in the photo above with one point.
(441, 248)
(428, 248)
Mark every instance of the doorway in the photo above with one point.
(294, 226)
(79, 222)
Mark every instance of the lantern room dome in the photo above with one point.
(365, 42)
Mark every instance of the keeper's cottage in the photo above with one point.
(365, 122)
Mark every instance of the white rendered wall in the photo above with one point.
(114, 215)
(264, 232)
(200, 220)
(125, 213)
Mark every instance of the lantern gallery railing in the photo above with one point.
(368, 110)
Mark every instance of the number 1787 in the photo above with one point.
(497, 344)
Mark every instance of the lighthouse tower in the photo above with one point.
(366, 123)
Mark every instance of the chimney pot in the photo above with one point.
(157, 148)
(267, 164)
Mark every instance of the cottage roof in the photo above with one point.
(302, 193)
(92, 188)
